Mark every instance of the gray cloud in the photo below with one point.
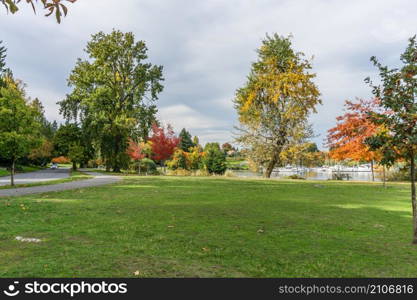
(206, 48)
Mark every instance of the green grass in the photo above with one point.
(211, 227)
(25, 169)
(236, 164)
(74, 176)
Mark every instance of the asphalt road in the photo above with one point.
(36, 177)
(99, 179)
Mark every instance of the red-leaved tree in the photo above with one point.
(347, 139)
(163, 143)
(135, 151)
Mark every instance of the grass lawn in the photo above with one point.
(74, 176)
(239, 164)
(211, 227)
(25, 169)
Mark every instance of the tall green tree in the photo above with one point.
(19, 129)
(146, 116)
(186, 141)
(397, 92)
(275, 102)
(3, 51)
(3, 69)
(109, 92)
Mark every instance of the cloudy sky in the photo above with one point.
(206, 48)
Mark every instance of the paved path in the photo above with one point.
(37, 176)
(99, 179)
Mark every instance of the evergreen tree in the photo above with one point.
(185, 140)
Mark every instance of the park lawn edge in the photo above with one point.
(74, 176)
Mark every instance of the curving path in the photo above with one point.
(99, 179)
(37, 176)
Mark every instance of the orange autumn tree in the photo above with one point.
(347, 139)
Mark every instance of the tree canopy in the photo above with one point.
(186, 141)
(19, 129)
(347, 139)
(275, 102)
(109, 93)
(397, 94)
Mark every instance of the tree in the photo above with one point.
(3, 51)
(139, 151)
(303, 154)
(163, 143)
(66, 137)
(47, 129)
(196, 142)
(147, 117)
(42, 155)
(347, 140)
(3, 68)
(194, 157)
(185, 140)
(75, 154)
(109, 90)
(226, 147)
(397, 93)
(214, 159)
(51, 6)
(18, 126)
(275, 102)
(179, 160)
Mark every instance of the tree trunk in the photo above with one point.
(372, 170)
(413, 197)
(271, 166)
(12, 171)
(74, 166)
(140, 165)
(116, 169)
(384, 179)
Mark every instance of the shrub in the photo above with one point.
(202, 172)
(398, 175)
(61, 160)
(178, 161)
(229, 173)
(179, 172)
(295, 176)
(95, 163)
(146, 165)
(214, 159)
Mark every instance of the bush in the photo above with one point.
(214, 159)
(179, 172)
(144, 166)
(202, 172)
(178, 161)
(295, 176)
(398, 175)
(61, 160)
(229, 173)
(95, 163)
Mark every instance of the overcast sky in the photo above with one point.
(206, 48)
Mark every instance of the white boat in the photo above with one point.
(364, 168)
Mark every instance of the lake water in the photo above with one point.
(314, 175)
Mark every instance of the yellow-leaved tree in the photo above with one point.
(275, 102)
